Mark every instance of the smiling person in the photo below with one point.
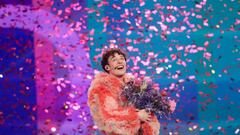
(109, 111)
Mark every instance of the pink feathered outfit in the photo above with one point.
(109, 111)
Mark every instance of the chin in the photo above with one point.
(120, 74)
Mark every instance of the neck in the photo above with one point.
(121, 78)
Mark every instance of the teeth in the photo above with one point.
(119, 67)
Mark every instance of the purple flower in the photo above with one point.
(143, 96)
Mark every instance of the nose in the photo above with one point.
(120, 61)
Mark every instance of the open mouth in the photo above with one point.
(119, 67)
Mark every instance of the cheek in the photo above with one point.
(111, 64)
(125, 63)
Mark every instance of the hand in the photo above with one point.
(172, 104)
(143, 115)
(128, 78)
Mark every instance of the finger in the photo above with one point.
(148, 120)
(146, 112)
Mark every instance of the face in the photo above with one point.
(116, 65)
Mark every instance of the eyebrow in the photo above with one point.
(113, 56)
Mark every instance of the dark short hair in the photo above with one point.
(111, 52)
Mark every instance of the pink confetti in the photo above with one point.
(207, 55)
(209, 35)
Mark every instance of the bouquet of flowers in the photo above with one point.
(143, 96)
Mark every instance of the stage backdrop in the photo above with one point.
(50, 51)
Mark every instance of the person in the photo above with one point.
(108, 109)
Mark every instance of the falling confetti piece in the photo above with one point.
(53, 129)
(173, 42)
(237, 131)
